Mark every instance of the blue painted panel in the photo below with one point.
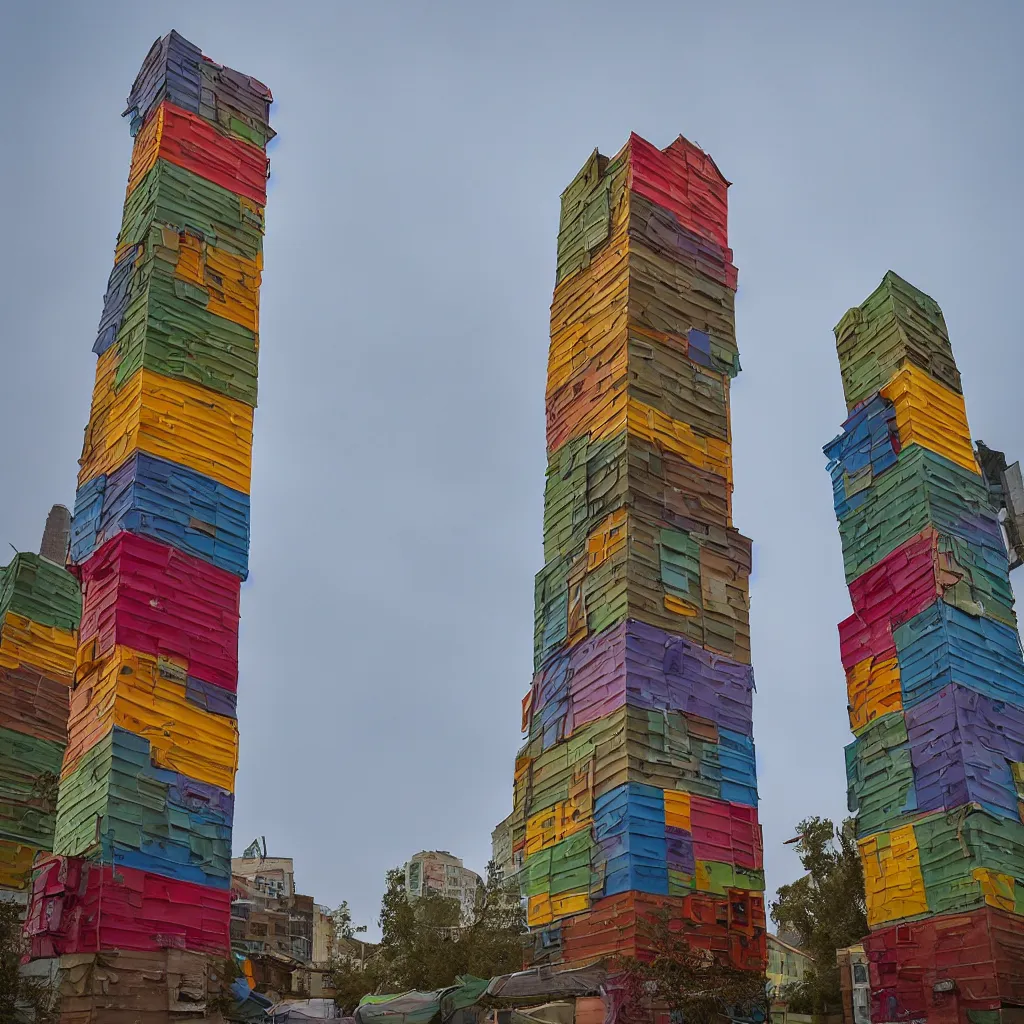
(739, 772)
(175, 505)
(944, 645)
(115, 301)
(171, 71)
(866, 448)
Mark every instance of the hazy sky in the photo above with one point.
(399, 451)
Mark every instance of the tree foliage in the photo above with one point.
(687, 981)
(425, 946)
(21, 998)
(825, 907)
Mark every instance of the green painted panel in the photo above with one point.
(29, 769)
(41, 591)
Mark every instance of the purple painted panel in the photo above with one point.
(961, 744)
(645, 667)
(214, 699)
(679, 850)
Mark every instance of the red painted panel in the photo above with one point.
(153, 598)
(982, 952)
(192, 142)
(726, 832)
(683, 179)
(80, 907)
(899, 587)
(733, 928)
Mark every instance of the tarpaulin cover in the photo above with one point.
(963, 746)
(28, 775)
(142, 594)
(120, 986)
(894, 326)
(171, 419)
(155, 498)
(134, 691)
(173, 196)
(116, 807)
(191, 142)
(190, 313)
(944, 645)
(80, 907)
(922, 489)
(47, 649)
(41, 591)
(880, 775)
(980, 952)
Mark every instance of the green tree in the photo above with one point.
(685, 980)
(826, 908)
(425, 944)
(21, 998)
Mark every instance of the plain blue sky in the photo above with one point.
(399, 451)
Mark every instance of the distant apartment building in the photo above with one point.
(787, 965)
(267, 915)
(439, 872)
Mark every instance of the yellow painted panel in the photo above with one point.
(998, 889)
(677, 809)
(538, 910)
(708, 453)
(133, 691)
(553, 824)
(678, 606)
(174, 420)
(607, 539)
(873, 690)
(893, 883)
(145, 150)
(231, 282)
(931, 415)
(568, 903)
(16, 864)
(48, 650)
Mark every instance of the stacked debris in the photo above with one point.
(934, 673)
(636, 789)
(40, 608)
(140, 881)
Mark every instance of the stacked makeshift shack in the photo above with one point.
(136, 900)
(934, 673)
(636, 789)
(40, 608)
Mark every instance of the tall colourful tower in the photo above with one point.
(636, 788)
(934, 673)
(137, 897)
(40, 606)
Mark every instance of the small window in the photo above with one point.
(860, 974)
